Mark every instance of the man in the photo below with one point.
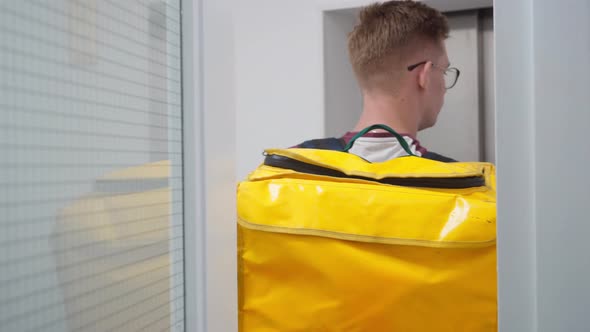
(400, 61)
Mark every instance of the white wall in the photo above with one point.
(219, 139)
(543, 75)
(343, 101)
(562, 155)
(515, 146)
(279, 76)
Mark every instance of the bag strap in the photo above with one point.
(399, 137)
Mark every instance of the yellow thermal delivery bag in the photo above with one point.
(330, 242)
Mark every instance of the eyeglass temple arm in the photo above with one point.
(414, 66)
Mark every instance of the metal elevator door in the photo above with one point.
(465, 127)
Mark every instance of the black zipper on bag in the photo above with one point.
(426, 182)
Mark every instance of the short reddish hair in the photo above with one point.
(385, 29)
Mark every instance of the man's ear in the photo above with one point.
(424, 75)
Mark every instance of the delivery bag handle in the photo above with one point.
(399, 137)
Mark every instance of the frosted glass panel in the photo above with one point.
(91, 188)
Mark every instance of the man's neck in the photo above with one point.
(397, 113)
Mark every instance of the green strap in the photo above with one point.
(399, 137)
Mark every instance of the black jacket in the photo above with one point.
(338, 144)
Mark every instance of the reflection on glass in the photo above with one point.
(91, 166)
(125, 251)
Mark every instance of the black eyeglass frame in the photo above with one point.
(445, 70)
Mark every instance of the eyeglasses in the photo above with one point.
(451, 74)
